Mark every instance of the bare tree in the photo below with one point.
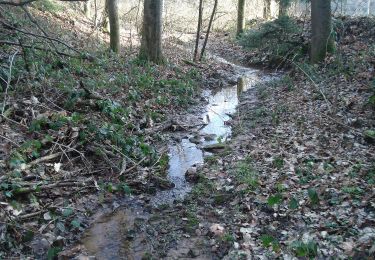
(200, 18)
(321, 27)
(241, 17)
(114, 25)
(209, 29)
(151, 44)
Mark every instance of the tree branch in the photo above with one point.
(22, 3)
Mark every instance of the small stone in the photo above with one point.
(192, 253)
(191, 174)
(210, 137)
(217, 229)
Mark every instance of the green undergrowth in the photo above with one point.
(274, 41)
(96, 115)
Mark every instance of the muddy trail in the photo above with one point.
(143, 228)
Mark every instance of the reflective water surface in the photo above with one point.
(110, 237)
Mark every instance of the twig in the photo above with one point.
(315, 85)
(8, 82)
(22, 3)
(40, 48)
(134, 166)
(9, 140)
(45, 36)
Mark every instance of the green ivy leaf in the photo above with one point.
(314, 197)
(67, 212)
(293, 204)
(273, 200)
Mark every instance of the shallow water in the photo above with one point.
(221, 105)
(109, 236)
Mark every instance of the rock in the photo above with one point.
(210, 137)
(40, 247)
(192, 253)
(162, 182)
(191, 174)
(242, 187)
(217, 229)
(215, 148)
(195, 139)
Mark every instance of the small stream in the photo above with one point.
(110, 236)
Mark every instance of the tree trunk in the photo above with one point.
(209, 29)
(241, 17)
(321, 27)
(105, 17)
(86, 8)
(151, 44)
(267, 9)
(200, 18)
(114, 25)
(368, 7)
(283, 7)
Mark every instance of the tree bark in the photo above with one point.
(209, 29)
(321, 27)
(267, 9)
(241, 17)
(114, 25)
(151, 44)
(86, 8)
(105, 17)
(368, 7)
(200, 18)
(283, 7)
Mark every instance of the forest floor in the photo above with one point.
(295, 180)
(299, 178)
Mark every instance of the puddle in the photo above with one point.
(221, 105)
(109, 237)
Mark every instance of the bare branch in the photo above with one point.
(37, 35)
(8, 81)
(23, 3)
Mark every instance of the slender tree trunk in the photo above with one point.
(86, 8)
(114, 25)
(283, 8)
(267, 9)
(368, 7)
(241, 17)
(209, 29)
(151, 44)
(200, 18)
(105, 17)
(96, 13)
(321, 27)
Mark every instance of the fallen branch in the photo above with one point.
(133, 167)
(9, 140)
(90, 94)
(26, 190)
